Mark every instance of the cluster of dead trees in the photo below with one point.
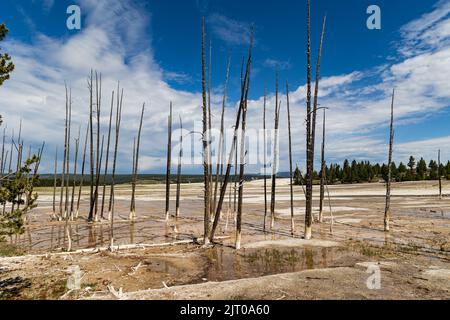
(18, 177)
(312, 106)
(210, 203)
(97, 155)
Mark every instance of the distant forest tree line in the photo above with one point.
(364, 171)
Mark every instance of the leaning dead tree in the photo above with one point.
(107, 155)
(291, 183)
(83, 164)
(242, 167)
(135, 167)
(387, 211)
(169, 160)
(116, 145)
(219, 167)
(180, 159)
(242, 103)
(322, 170)
(205, 147)
(275, 156)
(311, 114)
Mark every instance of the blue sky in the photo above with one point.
(153, 48)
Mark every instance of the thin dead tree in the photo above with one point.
(387, 211)
(133, 182)
(242, 102)
(291, 182)
(212, 205)
(136, 166)
(235, 188)
(54, 181)
(241, 168)
(67, 183)
(219, 168)
(10, 162)
(77, 145)
(236, 153)
(116, 145)
(322, 170)
(83, 164)
(63, 171)
(169, 161)
(265, 159)
(311, 123)
(98, 177)
(439, 174)
(206, 172)
(180, 159)
(275, 156)
(91, 146)
(2, 163)
(98, 163)
(107, 156)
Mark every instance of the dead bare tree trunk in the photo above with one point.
(180, 159)
(265, 160)
(2, 161)
(212, 204)
(241, 168)
(77, 145)
(440, 174)
(291, 183)
(275, 156)
(107, 155)
(63, 178)
(82, 171)
(322, 171)
(54, 181)
(91, 148)
(10, 163)
(98, 176)
(206, 172)
(116, 144)
(311, 124)
(66, 202)
(235, 188)
(387, 211)
(169, 161)
(98, 164)
(136, 166)
(133, 182)
(244, 95)
(219, 168)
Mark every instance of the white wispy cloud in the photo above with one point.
(231, 31)
(274, 64)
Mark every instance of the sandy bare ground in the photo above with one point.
(413, 257)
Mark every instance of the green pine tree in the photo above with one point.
(6, 65)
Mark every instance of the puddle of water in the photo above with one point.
(225, 264)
